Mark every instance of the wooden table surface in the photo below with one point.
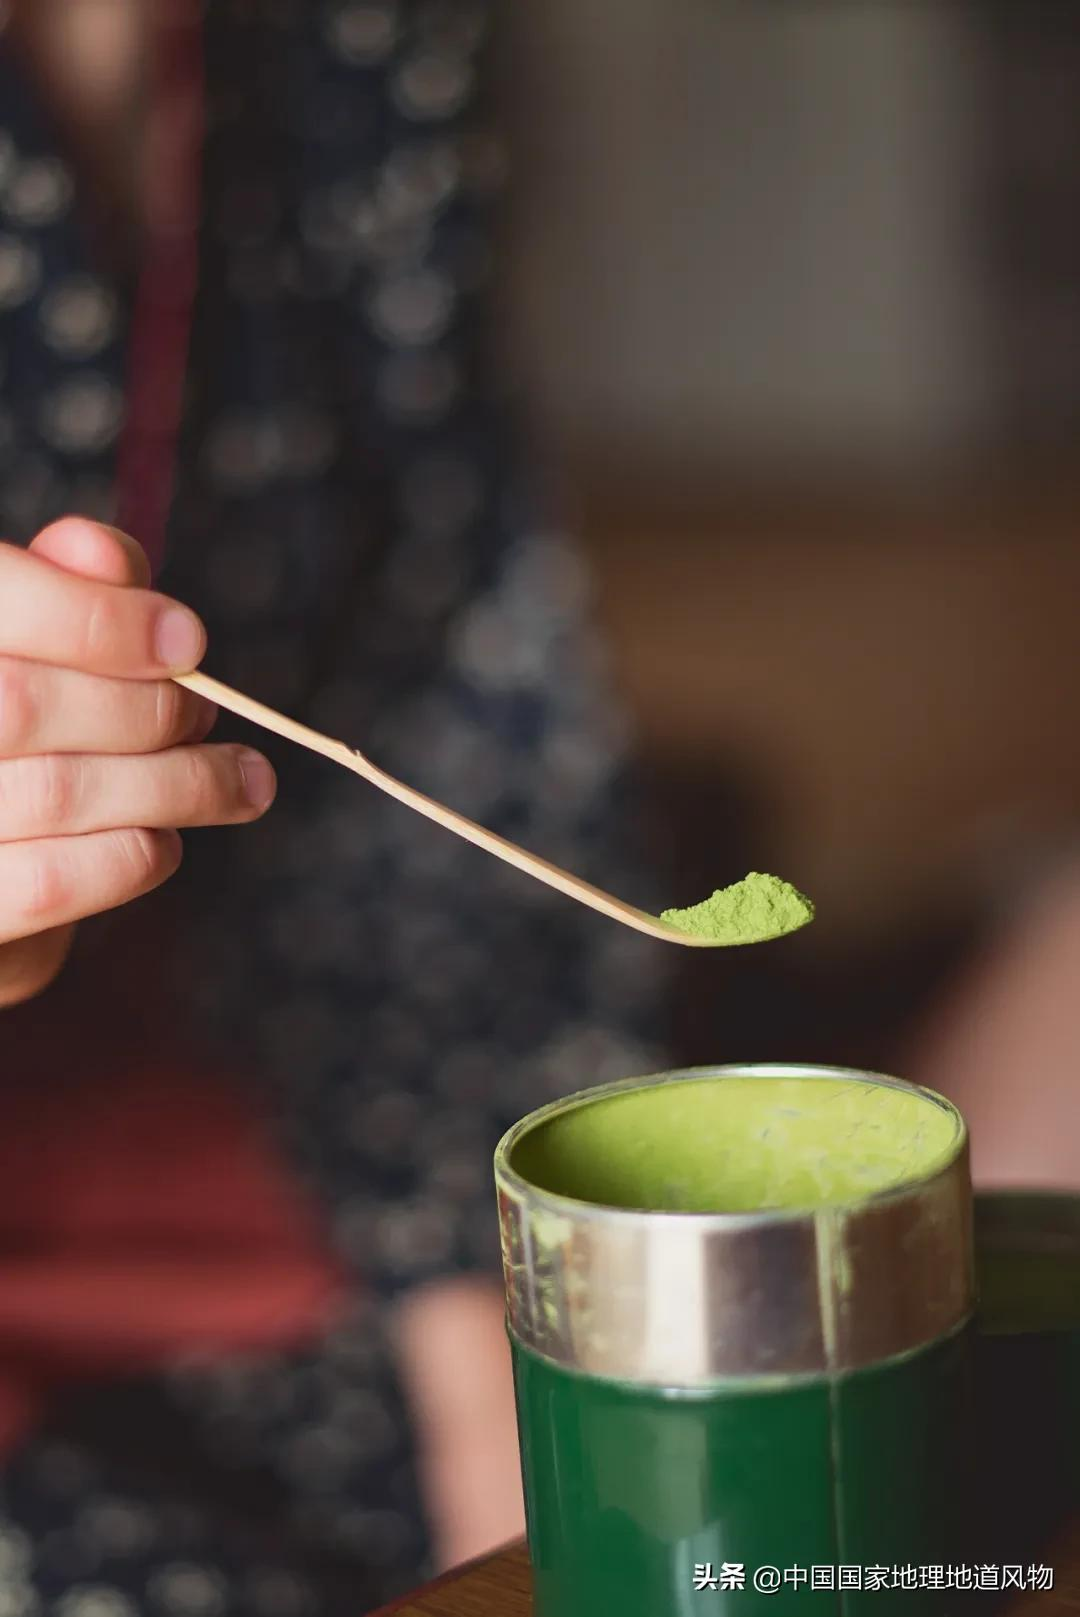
(499, 1586)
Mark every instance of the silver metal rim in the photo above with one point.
(685, 1299)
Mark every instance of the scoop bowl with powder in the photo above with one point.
(753, 910)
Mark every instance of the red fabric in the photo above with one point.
(168, 277)
(141, 1220)
(144, 1212)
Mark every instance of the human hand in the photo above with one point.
(100, 752)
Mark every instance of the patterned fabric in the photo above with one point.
(351, 524)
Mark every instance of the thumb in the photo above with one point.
(93, 550)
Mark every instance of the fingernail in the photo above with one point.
(260, 782)
(178, 639)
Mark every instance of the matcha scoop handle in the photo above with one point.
(572, 886)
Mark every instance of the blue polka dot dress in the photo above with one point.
(346, 513)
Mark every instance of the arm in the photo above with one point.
(1006, 1048)
(455, 1366)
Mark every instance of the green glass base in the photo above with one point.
(635, 1495)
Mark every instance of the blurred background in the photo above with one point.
(795, 307)
(790, 301)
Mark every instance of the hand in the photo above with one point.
(100, 754)
(455, 1365)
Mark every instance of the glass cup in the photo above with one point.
(738, 1301)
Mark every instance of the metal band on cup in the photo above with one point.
(683, 1300)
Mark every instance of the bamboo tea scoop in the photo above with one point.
(573, 887)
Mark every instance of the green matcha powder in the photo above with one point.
(749, 911)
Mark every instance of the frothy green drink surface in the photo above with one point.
(728, 1145)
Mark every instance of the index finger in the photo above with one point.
(56, 616)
